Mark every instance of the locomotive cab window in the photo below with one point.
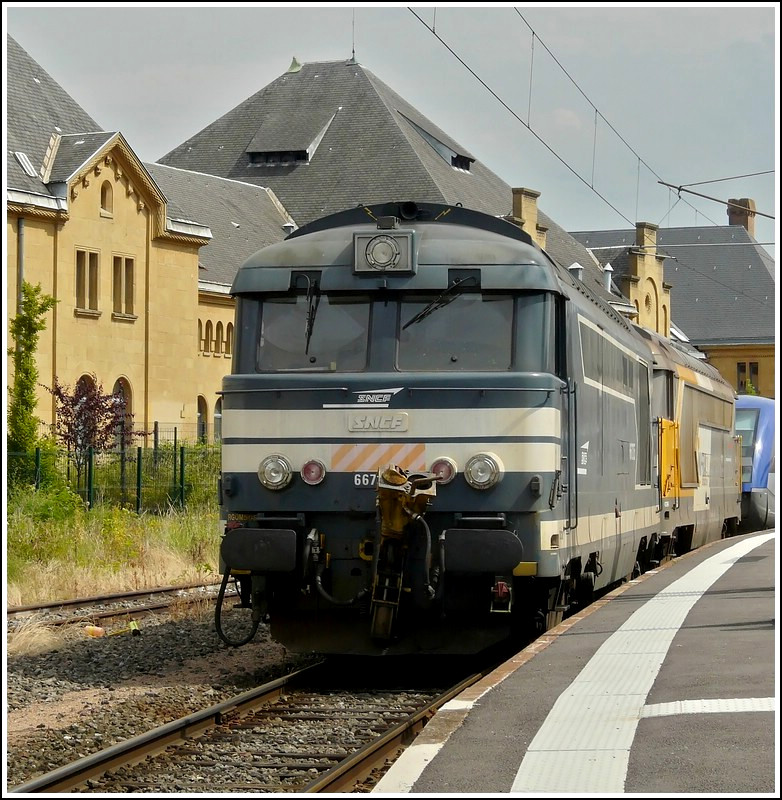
(465, 331)
(318, 332)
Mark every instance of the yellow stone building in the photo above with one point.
(125, 285)
(139, 258)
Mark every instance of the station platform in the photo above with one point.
(666, 685)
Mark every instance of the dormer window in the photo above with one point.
(458, 159)
(284, 142)
(277, 158)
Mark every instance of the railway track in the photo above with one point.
(301, 733)
(104, 609)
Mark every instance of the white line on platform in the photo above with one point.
(584, 743)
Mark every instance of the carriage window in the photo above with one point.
(324, 332)
(470, 332)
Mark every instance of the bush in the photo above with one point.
(41, 526)
(52, 503)
(56, 548)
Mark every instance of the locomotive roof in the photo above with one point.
(445, 237)
(668, 355)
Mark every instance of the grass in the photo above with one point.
(57, 550)
(31, 638)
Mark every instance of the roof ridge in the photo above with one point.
(207, 175)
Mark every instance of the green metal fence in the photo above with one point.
(144, 479)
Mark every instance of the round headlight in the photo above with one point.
(313, 472)
(444, 468)
(483, 471)
(382, 252)
(274, 472)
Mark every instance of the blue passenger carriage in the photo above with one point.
(756, 424)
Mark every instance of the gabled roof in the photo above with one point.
(242, 217)
(722, 281)
(59, 139)
(37, 107)
(375, 147)
(74, 151)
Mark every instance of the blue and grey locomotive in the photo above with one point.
(435, 437)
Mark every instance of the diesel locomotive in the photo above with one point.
(436, 438)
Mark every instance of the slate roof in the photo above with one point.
(37, 107)
(372, 151)
(723, 289)
(242, 217)
(74, 150)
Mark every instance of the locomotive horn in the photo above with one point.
(408, 210)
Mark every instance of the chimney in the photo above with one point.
(607, 270)
(525, 211)
(742, 212)
(646, 235)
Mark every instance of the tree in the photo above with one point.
(89, 418)
(25, 330)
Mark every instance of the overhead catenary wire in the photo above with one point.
(732, 178)
(511, 111)
(603, 117)
(527, 124)
(728, 203)
(560, 158)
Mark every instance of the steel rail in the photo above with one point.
(70, 776)
(357, 766)
(105, 598)
(136, 611)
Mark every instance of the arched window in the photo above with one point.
(200, 335)
(85, 387)
(203, 419)
(219, 338)
(122, 389)
(229, 339)
(219, 420)
(106, 198)
(86, 382)
(208, 337)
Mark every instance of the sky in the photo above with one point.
(595, 106)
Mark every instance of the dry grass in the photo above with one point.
(32, 637)
(186, 608)
(65, 580)
(104, 551)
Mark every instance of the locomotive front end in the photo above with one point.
(392, 432)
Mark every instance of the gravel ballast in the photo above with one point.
(91, 693)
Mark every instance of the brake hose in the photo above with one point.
(218, 615)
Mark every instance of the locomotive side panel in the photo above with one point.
(616, 501)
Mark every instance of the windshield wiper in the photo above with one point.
(448, 296)
(313, 301)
